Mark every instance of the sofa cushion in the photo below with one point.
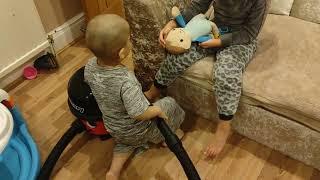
(308, 10)
(284, 76)
(281, 7)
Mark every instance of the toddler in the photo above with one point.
(127, 114)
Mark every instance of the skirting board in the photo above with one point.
(62, 36)
(23, 59)
(68, 32)
(16, 75)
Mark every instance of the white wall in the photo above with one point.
(22, 35)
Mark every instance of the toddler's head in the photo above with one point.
(107, 37)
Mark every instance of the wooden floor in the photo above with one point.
(43, 102)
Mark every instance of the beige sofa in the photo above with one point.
(280, 105)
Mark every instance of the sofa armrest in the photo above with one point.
(146, 18)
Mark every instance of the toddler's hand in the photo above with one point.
(164, 117)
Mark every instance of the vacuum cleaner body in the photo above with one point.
(83, 105)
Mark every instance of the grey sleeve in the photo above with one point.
(250, 30)
(133, 99)
(196, 7)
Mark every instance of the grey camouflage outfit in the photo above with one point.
(244, 19)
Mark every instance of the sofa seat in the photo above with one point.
(284, 76)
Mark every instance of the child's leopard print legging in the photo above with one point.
(229, 66)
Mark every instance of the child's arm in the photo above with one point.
(211, 43)
(150, 113)
(247, 32)
(196, 7)
(164, 32)
(251, 28)
(137, 105)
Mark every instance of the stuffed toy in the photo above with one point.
(199, 29)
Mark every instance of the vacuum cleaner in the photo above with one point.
(84, 107)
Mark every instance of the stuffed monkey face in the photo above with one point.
(178, 41)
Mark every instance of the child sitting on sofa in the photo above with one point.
(242, 20)
(127, 114)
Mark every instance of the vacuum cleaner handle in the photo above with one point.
(76, 128)
(175, 145)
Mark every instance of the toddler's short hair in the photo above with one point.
(106, 35)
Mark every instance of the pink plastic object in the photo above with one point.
(30, 72)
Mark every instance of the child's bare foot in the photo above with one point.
(111, 176)
(180, 135)
(117, 163)
(220, 139)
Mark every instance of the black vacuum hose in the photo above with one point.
(175, 145)
(76, 128)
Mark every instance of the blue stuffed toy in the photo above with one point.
(199, 29)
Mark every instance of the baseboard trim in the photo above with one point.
(23, 59)
(15, 77)
(63, 36)
(68, 32)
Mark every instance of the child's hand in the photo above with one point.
(211, 43)
(164, 117)
(152, 112)
(164, 32)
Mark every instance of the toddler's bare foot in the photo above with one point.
(111, 176)
(180, 135)
(220, 139)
